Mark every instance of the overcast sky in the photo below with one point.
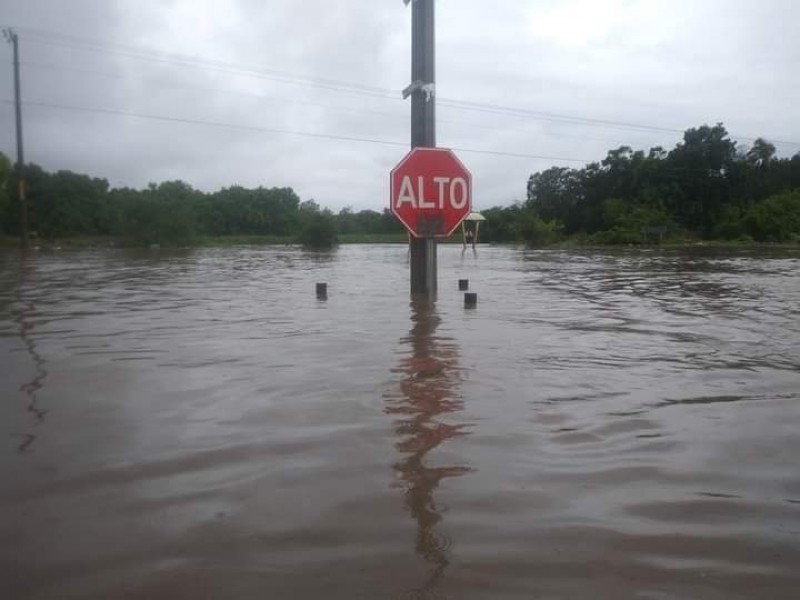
(247, 68)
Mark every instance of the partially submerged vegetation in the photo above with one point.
(706, 188)
(70, 207)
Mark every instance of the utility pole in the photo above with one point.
(11, 36)
(423, 130)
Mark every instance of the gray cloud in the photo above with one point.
(664, 64)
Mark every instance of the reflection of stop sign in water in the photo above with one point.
(431, 192)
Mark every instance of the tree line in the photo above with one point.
(706, 187)
(66, 204)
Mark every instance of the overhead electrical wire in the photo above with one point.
(52, 38)
(217, 90)
(138, 115)
(220, 66)
(336, 85)
(292, 101)
(310, 134)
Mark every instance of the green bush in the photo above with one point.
(731, 225)
(616, 235)
(538, 233)
(775, 219)
(319, 232)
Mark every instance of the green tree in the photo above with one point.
(701, 162)
(504, 224)
(556, 194)
(67, 203)
(164, 214)
(761, 153)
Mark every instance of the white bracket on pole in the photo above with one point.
(428, 88)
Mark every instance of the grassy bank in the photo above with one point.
(201, 241)
(344, 238)
(577, 242)
(584, 241)
(242, 240)
(373, 238)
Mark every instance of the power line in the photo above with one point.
(291, 101)
(520, 112)
(114, 112)
(121, 113)
(217, 90)
(337, 85)
(45, 37)
(219, 66)
(573, 120)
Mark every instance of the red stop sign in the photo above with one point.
(431, 192)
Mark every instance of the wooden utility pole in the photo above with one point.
(423, 130)
(11, 36)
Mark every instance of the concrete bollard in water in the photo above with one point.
(470, 300)
(463, 284)
(322, 291)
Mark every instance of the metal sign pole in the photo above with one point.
(423, 131)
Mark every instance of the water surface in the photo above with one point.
(197, 424)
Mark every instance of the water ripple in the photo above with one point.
(196, 423)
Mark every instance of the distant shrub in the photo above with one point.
(538, 233)
(616, 235)
(775, 219)
(731, 225)
(319, 232)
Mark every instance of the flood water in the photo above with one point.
(197, 424)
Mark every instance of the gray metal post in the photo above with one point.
(423, 131)
(23, 203)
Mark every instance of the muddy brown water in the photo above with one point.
(197, 424)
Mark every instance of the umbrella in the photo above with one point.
(476, 218)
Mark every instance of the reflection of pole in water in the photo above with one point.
(427, 392)
(30, 388)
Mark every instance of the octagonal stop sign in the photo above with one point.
(431, 192)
